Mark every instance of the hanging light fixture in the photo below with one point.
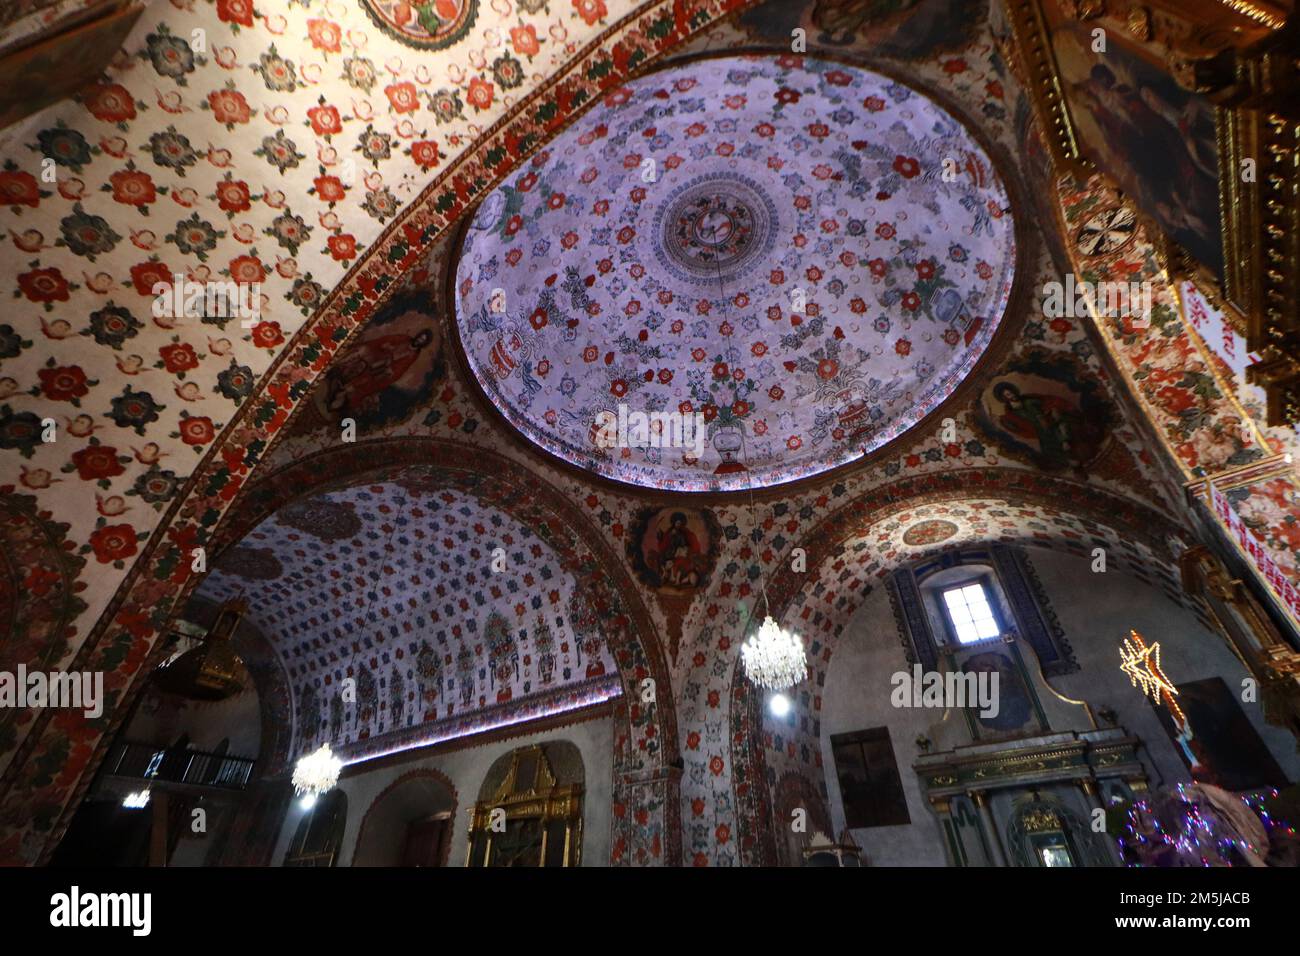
(316, 773)
(774, 657)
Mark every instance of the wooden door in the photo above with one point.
(425, 842)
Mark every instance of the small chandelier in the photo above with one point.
(774, 657)
(316, 773)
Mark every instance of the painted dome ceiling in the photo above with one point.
(808, 256)
(401, 586)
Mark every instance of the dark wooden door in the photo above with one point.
(425, 842)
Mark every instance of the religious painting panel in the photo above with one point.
(870, 787)
(906, 29)
(1227, 749)
(674, 549)
(1047, 410)
(388, 371)
(1014, 710)
(1155, 139)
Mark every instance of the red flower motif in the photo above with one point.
(903, 347)
(236, 11)
(44, 285)
(827, 368)
(524, 40)
(178, 357)
(113, 543)
(874, 104)
(329, 189)
(591, 11)
(906, 166)
(720, 370)
(911, 301)
(109, 102)
(267, 335)
(18, 189)
(402, 97)
(878, 267)
(1175, 400)
(885, 230)
(786, 96)
(538, 319)
(247, 269)
(925, 269)
(197, 429)
(232, 195)
(479, 94)
(97, 461)
(229, 106)
(425, 153)
(146, 275)
(342, 247)
(325, 35)
(133, 188)
(325, 120)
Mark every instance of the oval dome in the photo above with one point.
(736, 272)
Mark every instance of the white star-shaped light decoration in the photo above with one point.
(1141, 662)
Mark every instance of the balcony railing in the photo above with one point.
(195, 767)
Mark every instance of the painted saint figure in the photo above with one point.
(372, 367)
(678, 554)
(1064, 436)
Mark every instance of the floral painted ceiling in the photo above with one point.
(451, 616)
(809, 255)
(263, 143)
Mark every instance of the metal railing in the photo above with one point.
(195, 767)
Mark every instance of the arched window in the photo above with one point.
(319, 835)
(529, 811)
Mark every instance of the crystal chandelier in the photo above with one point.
(316, 773)
(774, 657)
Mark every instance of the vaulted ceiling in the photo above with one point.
(450, 615)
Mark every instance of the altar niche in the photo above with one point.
(531, 818)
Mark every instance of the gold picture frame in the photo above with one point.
(1238, 59)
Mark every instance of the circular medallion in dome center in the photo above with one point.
(714, 228)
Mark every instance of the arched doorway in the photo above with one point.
(409, 824)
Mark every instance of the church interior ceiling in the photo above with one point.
(475, 231)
